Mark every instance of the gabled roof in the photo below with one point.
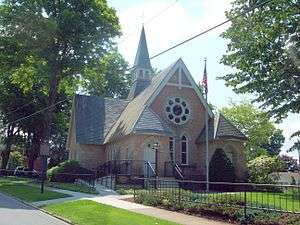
(142, 59)
(130, 116)
(219, 127)
(94, 116)
(149, 122)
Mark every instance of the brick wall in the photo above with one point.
(194, 125)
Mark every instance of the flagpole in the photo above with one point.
(206, 134)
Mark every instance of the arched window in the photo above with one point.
(172, 148)
(184, 150)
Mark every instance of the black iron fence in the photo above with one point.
(280, 198)
(40, 178)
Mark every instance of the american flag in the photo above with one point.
(204, 79)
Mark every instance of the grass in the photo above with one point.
(286, 201)
(86, 212)
(73, 187)
(24, 190)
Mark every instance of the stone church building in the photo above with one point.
(162, 122)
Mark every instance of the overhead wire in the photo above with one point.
(160, 53)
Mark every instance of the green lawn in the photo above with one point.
(73, 187)
(286, 201)
(23, 189)
(86, 212)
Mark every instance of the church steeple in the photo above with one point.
(142, 60)
(142, 69)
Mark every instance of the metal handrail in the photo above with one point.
(179, 171)
(151, 167)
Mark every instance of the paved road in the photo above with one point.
(13, 212)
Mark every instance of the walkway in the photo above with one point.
(109, 197)
(14, 212)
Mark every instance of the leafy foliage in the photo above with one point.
(262, 135)
(109, 77)
(289, 163)
(275, 143)
(68, 171)
(264, 49)
(46, 46)
(221, 168)
(15, 159)
(261, 167)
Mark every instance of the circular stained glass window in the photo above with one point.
(177, 110)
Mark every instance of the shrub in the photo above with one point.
(68, 171)
(15, 159)
(261, 167)
(221, 170)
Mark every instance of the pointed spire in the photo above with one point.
(142, 59)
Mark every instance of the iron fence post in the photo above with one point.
(179, 196)
(245, 220)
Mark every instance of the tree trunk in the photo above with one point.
(5, 154)
(49, 112)
(33, 151)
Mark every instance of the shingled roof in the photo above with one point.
(131, 114)
(142, 59)
(219, 127)
(94, 116)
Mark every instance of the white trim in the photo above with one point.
(178, 85)
(179, 64)
(174, 148)
(187, 149)
(196, 88)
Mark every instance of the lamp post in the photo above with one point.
(155, 147)
(44, 153)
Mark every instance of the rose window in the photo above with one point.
(177, 110)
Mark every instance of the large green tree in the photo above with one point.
(59, 39)
(264, 49)
(109, 77)
(263, 137)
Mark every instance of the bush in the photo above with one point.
(221, 170)
(15, 159)
(191, 204)
(261, 168)
(69, 171)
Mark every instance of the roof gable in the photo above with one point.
(220, 128)
(149, 122)
(181, 66)
(134, 109)
(130, 116)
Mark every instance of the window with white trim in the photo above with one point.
(171, 148)
(184, 150)
(177, 110)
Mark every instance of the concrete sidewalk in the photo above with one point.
(109, 197)
(176, 217)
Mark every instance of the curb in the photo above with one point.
(37, 208)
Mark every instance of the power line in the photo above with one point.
(210, 29)
(25, 105)
(37, 112)
(152, 18)
(158, 54)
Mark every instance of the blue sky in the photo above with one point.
(175, 21)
